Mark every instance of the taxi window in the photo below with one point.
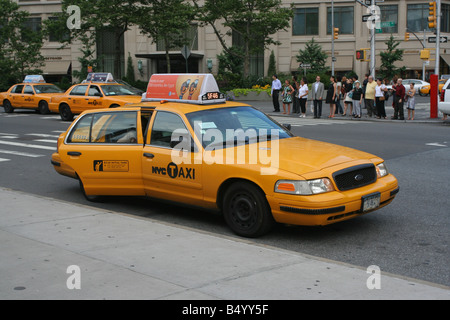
(28, 90)
(163, 127)
(114, 127)
(94, 91)
(47, 89)
(81, 132)
(17, 89)
(78, 91)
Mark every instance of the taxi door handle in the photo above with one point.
(74, 153)
(149, 155)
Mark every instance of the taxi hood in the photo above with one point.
(301, 156)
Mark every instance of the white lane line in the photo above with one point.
(26, 145)
(3, 160)
(24, 154)
(42, 135)
(45, 140)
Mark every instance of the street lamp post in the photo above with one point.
(332, 37)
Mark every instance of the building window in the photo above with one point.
(256, 57)
(418, 17)
(343, 19)
(191, 35)
(31, 27)
(445, 18)
(58, 35)
(389, 15)
(305, 21)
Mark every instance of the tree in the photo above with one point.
(272, 65)
(389, 57)
(252, 21)
(115, 15)
(19, 45)
(314, 56)
(167, 21)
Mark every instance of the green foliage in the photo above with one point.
(272, 69)
(389, 57)
(313, 55)
(19, 46)
(130, 70)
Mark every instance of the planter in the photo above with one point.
(248, 96)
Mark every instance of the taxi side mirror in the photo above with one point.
(287, 126)
(176, 141)
(98, 94)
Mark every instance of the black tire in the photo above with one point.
(422, 94)
(8, 107)
(43, 107)
(246, 210)
(65, 113)
(88, 198)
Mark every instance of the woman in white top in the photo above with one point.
(303, 96)
(380, 91)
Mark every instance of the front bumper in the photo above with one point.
(331, 207)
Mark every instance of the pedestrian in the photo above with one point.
(296, 101)
(303, 96)
(380, 98)
(411, 101)
(364, 86)
(317, 89)
(399, 99)
(287, 96)
(357, 97)
(370, 96)
(331, 96)
(275, 93)
(339, 95)
(348, 101)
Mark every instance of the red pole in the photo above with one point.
(434, 96)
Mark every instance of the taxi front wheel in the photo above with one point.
(65, 113)
(246, 210)
(7, 106)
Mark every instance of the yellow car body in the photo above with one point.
(29, 96)
(425, 90)
(254, 183)
(88, 96)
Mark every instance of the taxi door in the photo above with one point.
(15, 95)
(76, 98)
(28, 98)
(169, 172)
(105, 150)
(94, 97)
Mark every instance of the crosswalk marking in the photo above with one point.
(26, 145)
(3, 160)
(24, 154)
(46, 140)
(42, 135)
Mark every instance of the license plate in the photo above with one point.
(370, 202)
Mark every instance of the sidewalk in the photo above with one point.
(422, 112)
(126, 257)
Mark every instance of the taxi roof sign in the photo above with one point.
(33, 79)
(99, 77)
(188, 88)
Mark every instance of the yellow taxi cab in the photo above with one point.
(425, 90)
(186, 144)
(99, 90)
(32, 93)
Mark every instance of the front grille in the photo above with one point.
(355, 177)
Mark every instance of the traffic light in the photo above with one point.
(432, 15)
(361, 55)
(406, 36)
(425, 54)
(336, 33)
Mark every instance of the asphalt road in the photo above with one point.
(410, 237)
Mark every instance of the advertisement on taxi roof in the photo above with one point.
(179, 87)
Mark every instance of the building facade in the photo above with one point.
(312, 19)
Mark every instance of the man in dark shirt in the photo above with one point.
(399, 99)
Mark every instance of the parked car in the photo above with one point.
(444, 103)
(418, 84)
(425, 90)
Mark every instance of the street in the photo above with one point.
(407, 238)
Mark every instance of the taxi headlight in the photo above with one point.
(304, 187)
(381, 170)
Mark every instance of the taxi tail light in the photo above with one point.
(442, 94)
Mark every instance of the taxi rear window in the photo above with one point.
(106, 127)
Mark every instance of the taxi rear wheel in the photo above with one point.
(43, 107)
(246, 210)
(7, 106)
(65, 113)
(88, 197)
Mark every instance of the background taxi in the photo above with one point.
(425, 90)
(33, 93)
(224, 156)
(95, 92)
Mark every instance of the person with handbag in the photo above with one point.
(411, 102)
(380, 97)
(357, 97)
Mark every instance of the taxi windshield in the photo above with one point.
(116, 90)
(47, 88)
(240, 125)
